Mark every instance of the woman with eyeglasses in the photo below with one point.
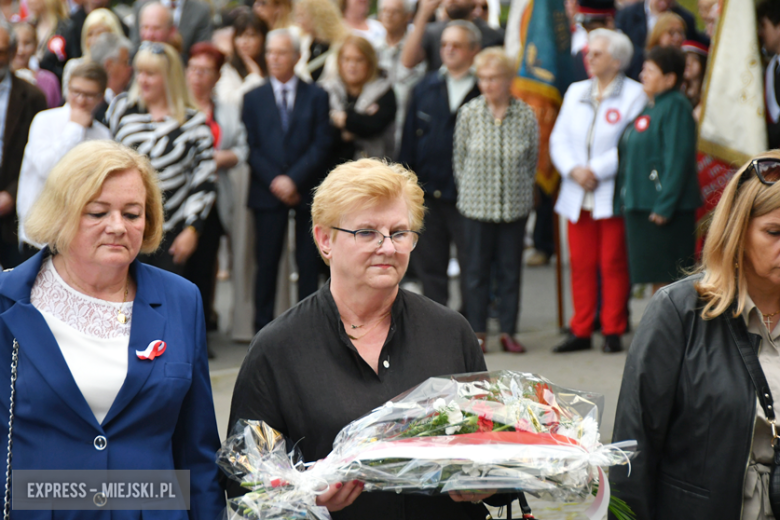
(234, 218)
(583, 147)
(494, 163)
(360, 340)
(158, 118)
(705, 444)
(657, 188)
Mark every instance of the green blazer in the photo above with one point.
(657, 159)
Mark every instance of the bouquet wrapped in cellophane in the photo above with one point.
(505, 431)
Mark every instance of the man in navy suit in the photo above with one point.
(637, 21)
(289, 137)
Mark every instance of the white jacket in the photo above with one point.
(582, 138)
(52, 135)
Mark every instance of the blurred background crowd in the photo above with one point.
(243, 108)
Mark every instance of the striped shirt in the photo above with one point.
(182, 154)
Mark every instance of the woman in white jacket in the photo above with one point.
(583, 147)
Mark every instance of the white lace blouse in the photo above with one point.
(91, 339)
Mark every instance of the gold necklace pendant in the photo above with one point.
(375, 325)
(120, 315)
(768, 319)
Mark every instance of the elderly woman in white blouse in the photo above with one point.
(494, 161)
(583, 148)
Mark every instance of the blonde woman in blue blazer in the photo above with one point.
(112, 365)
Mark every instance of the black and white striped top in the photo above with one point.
(182, 154)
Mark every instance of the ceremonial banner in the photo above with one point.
(539, 38)
(732, 126)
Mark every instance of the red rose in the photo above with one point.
(484, 424)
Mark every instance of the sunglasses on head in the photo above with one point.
(153, 47)
(767, 170)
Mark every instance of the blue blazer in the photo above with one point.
(429, 130)
(300, 153)
(162, 418)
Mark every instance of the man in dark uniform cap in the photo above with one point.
(591, 14)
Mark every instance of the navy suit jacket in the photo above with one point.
(632, 20)
(300, 153)
(429, 130)
(162, 418)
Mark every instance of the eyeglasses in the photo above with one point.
(491, 79)
(199, 71)
(403, 241)
(88, 96)
(767, 170)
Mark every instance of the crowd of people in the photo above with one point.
(243, 118)
(131, 146)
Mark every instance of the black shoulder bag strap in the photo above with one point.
(749, 356)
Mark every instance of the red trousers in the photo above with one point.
(598, 247)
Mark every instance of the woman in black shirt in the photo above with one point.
(360, 340)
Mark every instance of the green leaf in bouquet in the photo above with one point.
(617, 506)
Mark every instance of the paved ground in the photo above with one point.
(590, 370)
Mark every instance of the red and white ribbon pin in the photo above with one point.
(155, 349)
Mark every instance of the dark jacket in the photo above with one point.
(657, 159)
(687, 399)
(56, 53)
(579, 69)
(429, 130)
(24, 102)
(632, 20)
(300, 153)
(193, 27)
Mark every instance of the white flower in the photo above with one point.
(590, 433)
(454, 415)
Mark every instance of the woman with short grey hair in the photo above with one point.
(583, 148)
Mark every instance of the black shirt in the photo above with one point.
(304, 377)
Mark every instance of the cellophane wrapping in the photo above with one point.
(504, 431)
